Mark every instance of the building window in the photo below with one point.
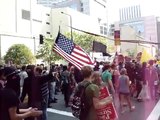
(47, 23)
(26, 14)
(105, 31)
(112, 25)
(112, 34)
(101, 29)
(47, 14)
(82, 9)
(48, 32)
(81, 4)
(105, 24)
(99, 20)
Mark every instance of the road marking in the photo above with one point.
(60, 112)
(155, 114)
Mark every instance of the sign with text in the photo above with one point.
(108, 112)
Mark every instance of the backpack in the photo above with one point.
(79, 104)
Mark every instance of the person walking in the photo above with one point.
(65, 76)
(115, 75)
(151, 77)
(107, 78)
(91, 95)
(124, 91)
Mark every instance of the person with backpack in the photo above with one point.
(86, 97)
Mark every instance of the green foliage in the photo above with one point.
(19, 54)
(86, 40)
(46, 53)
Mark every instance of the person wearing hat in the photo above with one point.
(13, 78)
(9, 101)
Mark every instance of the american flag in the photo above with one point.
(72, 52)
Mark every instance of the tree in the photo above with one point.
(86, 40)
(46, 53)
(19, 54)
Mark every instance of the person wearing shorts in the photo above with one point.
(124, 92)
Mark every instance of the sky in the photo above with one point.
(148, 7)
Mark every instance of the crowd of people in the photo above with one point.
(35, 87)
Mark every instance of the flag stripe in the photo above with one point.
(80, 58)
(66, 57)
(73, 61)
(79, 54)
(77, 60)
(71, 52)
(80, 51)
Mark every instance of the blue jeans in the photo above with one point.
(44, 107)
(52, 87)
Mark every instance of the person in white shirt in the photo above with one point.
(23, 74)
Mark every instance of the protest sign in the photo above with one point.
(108, 112)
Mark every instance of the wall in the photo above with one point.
(128, 33)
(22, 29)
(79, 21)
(98, 9)
(7, 16)
(150, 28)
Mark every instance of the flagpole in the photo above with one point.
(59, 30)
(70, 23)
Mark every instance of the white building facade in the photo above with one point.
(21, 22)
(79, 21)
(97, 9)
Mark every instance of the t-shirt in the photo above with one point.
(106, 76)
(1, 84)
(8, 99)
(65, 77)
(123, 85)
(91, 91)
(23, 75)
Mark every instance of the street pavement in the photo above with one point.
(141, 112)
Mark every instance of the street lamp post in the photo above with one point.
(70, 23)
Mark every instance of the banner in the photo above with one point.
(108, 112)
